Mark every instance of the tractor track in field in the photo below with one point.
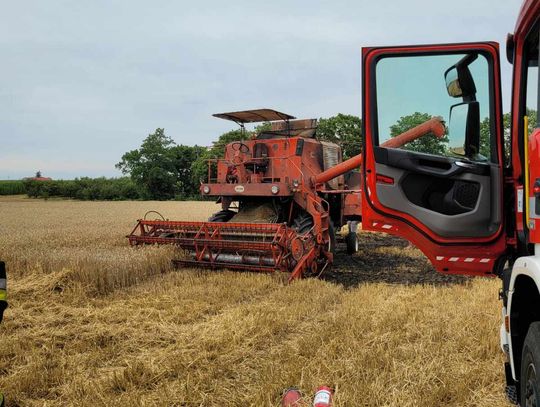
(385, 259)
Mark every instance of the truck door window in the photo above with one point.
(412, 89)
(531, 91)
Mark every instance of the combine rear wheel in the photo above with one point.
(352, 243)
(332, 235)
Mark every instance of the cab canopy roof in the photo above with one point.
(254, 116)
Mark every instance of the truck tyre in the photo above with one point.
(222, 216)
(530, 368)
(352, 243)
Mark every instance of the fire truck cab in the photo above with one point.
(469, 201)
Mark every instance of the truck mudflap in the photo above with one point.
(510, 389)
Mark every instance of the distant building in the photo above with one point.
(39, 177)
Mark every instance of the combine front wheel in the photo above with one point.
(222, 216)
(303, 223)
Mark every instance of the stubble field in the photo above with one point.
(95, 322)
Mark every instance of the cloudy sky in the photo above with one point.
(84, 82)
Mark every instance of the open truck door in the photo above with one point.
(445, 195)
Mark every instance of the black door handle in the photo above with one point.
(464, 164)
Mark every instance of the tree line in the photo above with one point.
(162, 169)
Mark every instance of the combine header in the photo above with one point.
(241, 246)
(282, 193)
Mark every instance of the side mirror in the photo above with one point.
(459, 80)
(452, 83)
(464, 129)
(510, 47)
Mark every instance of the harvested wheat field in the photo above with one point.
(95, 322)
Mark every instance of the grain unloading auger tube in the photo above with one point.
(282, 194)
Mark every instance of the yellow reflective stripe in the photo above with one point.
(3, 295)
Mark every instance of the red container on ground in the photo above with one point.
(291, 398)
(323, 397)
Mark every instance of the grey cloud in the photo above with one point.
(83, 82)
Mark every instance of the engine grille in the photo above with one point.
(331, 158)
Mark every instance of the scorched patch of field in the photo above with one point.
(95, 322)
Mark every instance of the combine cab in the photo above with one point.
(283, 193)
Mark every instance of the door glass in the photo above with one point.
(532, 91)
(413, 89)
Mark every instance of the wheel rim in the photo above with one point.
(530, 387)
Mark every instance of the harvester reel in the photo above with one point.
(156, 212)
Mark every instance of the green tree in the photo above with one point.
(533, 117)
(266, 126)
(187, 185)
(161, 168)
(485, 136)
(152, 166)
(344, 130)
(485, 133)
(427, 144)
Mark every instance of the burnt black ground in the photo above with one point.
(387, 259)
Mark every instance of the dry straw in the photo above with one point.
(94, 322)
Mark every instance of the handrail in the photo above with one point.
(228, 162)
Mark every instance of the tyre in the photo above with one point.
(303, 223)
(352, 243)
(222, 216)
(530, 368)
(332, 234)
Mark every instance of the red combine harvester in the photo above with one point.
(283, 193)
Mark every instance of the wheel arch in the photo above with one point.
(523, 307)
